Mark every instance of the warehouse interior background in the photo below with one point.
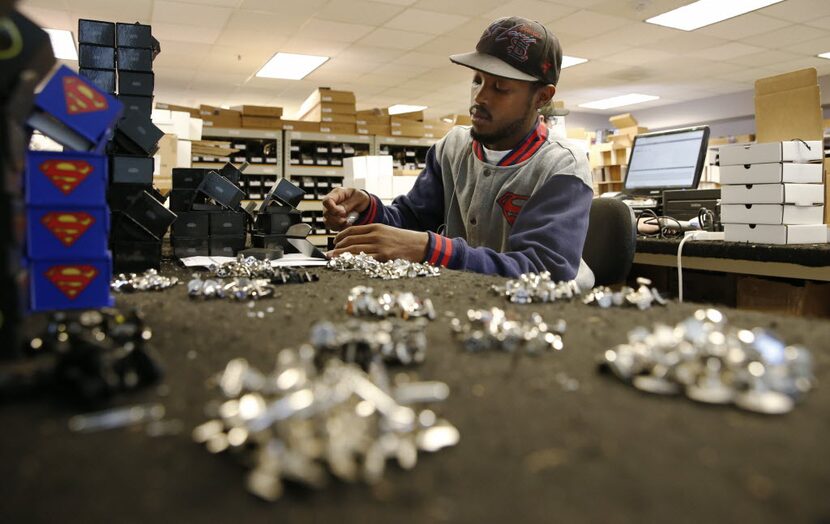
(395, 52)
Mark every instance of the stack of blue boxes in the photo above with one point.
(67, 228)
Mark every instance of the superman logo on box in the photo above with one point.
(81, 98)
(67, 227)
(66, 174)
(71, 280)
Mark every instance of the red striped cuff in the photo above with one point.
(370, 213)
(439, 250)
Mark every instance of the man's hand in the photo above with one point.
(382, 242)
(339, 203)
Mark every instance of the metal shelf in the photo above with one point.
(403, 141)
(308, 136)
(225, 132)
(313, 170)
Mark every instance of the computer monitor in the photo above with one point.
(666, 160)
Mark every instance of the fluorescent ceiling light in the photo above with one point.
(290, 66)
(825, 55)
(63, 45)
(705, 12)
(619, 101)
(568, 61)
(397, 109)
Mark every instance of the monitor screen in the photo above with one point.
(667, 160)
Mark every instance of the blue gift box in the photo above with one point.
(88, 114)
(70, 284)
(61, 233)
(66, 179)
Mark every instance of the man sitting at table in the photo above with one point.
(499, 197)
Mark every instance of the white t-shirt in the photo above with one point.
(494, 157)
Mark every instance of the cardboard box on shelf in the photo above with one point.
(267, 111)
(337, 129)
(417, 116)
(811, 299)
(194, 112)
(772, 152)
(623, 121)
(776, 234)
(218, 117)
(298, 125)
(403, 128)
(437, 128)
(328, 110)
(788, 107)
(732, 139)
(374, 112)
(261, 122)
(326, 95)
(364, 120)
(371, 129)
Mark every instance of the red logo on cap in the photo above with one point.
(67, 227)
(66, 174)
(71, 280)
(81, 97)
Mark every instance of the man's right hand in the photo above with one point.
(340, 202)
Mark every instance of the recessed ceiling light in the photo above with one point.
(619, 101)
(63, 45)
(706, 12)
(825, 55)
(291, 66)
(398, 109)
(568, 61)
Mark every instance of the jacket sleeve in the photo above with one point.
(548, 235)
(422, 209)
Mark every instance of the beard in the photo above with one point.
(509, 129)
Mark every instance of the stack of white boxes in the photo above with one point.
(372, 174)
(773, 193)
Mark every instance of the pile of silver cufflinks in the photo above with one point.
(358, 342)
(245, 279)
(494, 329)
(234, 289)
(242, 267)
(642, 298)
(150, 280)
(714, 363)
(362, 302)
(532, 288)
(390, 270)
(300, 422)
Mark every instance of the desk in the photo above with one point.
(806, 262)
(529, 452)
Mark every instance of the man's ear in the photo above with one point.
(544, 95)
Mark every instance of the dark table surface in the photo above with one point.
(530, 451)
(812, 255)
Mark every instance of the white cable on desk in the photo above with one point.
(691, 235)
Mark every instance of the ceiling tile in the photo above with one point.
(533, 9)
(50, 18)
(798, 10)
(426, 21)
(185, 33)
(337, 31)
(252, 24)
(288, 8)
(422, 59)
(358, 12)
(312, 46)
(190, 14)
(132, 11)
(811, 47)
(727, 51)
(395, 39)
(590, 24)
(767, 57)
(595, 48)
(397, 2)
(446, 46)
(458, 7)
(635, 9)
(743, 26)
(822, 23)
(639, 33)
(638, 56)
(790, 35)
(691, 42)
(378, 55)
(47, 4)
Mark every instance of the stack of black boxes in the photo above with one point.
(21, 70)
(277, 225)
(122, 55)
(211, 220)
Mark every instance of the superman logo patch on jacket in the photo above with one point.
(71, 280)
(67, 227)
(511, 204)
(66, 174)
(81, 98)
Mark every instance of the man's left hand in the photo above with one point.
(382, 242)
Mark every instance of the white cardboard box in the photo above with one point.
(779, 234)
(371, 173)
(776, 173)
(401, 185)
(798, 194)
(184, 153)
(771, 214)
(770, 152)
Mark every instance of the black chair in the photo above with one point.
(610, 242)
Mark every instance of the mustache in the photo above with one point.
(480, 111)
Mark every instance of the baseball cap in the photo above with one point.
(517, 48)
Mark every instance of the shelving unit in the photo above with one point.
(608, 164)
(314, 161)
(261, 148)
(408, 154)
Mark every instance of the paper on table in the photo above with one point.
(292, 259)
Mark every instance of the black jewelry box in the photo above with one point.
(137, 135)
(227, 223)
(96, 32)
(131, 170)
(135, 83)
(96, 57)
(134, 35)
(192, 224)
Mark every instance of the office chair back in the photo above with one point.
(610, 242)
